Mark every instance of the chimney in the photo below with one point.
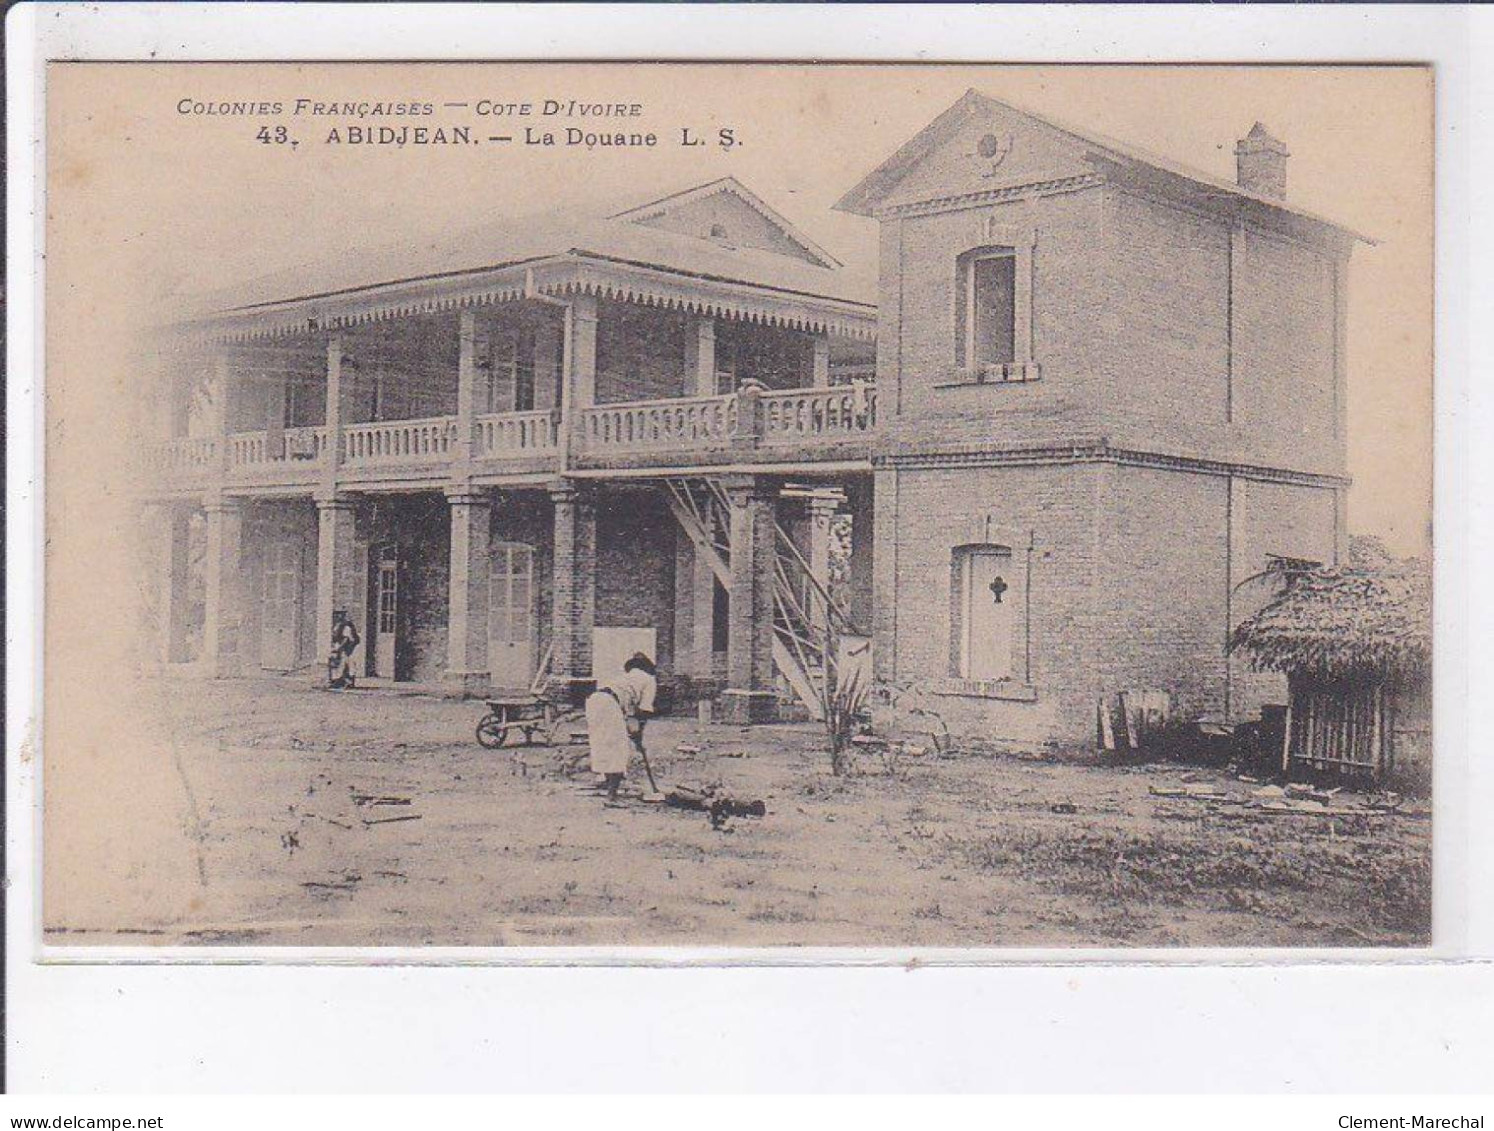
(1261, 163)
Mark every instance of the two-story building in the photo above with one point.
(1110, 387)
(504, 453)
(1106, 389)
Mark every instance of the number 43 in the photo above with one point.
(277, 136)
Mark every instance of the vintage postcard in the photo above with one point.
(738, 505)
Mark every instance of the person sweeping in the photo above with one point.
(615, 716)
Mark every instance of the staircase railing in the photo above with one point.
(807, 620)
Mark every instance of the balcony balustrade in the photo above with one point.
(509, 434)
(182, 456)
(681, 422)
(400, 441)
(800, 416)
(253, 449)
(808, 420)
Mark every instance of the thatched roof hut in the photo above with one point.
(1344, 621)
(1355, 642)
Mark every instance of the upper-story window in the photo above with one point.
(993, 309)
(510, 366)
(987, 332)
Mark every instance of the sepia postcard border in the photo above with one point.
(1451, 934)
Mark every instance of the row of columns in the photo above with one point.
(578, 361)
(750, 664)
(342, 581)
(340, 578)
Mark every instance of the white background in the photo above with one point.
(1174, 1025)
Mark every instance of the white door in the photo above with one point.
(990, 617)
(280, 610)
(511, 615)
(386, 621)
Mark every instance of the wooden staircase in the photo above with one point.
(807, 621)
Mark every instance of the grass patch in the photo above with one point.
(1384, 884)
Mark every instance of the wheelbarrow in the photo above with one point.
(533, 716)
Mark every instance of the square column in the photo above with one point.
(820, 366)
(275, 401)
(884, 574)
(172, 599)
(700, 359)
(575, 588)
(581, 354)
(703, 586)
(467, 671)
(467, 407)
(340, 583)
(822, 511)
(221, 415)
(334, 415)
(749, 696)
(547, 354)
(860, 569)
(223, 612)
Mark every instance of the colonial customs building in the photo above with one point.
(1106, 389)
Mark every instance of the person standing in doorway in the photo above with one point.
(615, 716)
(345, 641)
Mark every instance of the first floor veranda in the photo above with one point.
(734, 585)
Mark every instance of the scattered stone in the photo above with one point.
(1065, 807)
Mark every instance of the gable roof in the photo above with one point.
(597, 234)
(879, 184)
(733, 187)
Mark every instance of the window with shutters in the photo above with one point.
(994, 324)
(988, 334)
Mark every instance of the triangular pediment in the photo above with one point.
(727, 213)
(977, 145)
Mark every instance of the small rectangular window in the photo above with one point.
(989, 336)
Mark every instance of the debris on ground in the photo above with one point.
(367, 821)
(1145, 861)
(718, 806)
(370, 799)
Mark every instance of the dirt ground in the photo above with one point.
(371, 818)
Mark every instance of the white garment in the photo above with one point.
(607, 713)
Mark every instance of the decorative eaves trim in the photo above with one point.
(718, 299)
(575, 273)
